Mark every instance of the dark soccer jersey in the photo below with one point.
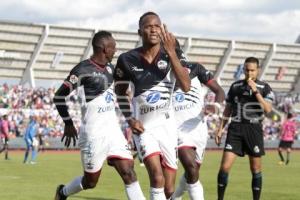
(189, 105)
(244, 104)
(153, 83)
(94, 79)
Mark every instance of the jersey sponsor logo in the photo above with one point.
(179, 97)
(148, 109)
(105, 108)
(162, 64)
(184, 107)
(73, 79)
(108, 98)
(153, 97)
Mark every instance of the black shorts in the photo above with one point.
(285, 144)
(245, 138)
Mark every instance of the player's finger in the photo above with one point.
(163, 32)
(167, 34)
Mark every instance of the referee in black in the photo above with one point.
(246, 103)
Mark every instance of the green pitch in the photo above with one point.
(27, 182)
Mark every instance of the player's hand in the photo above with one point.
(218, 137)
(252, 84)
(70, 134)
(136, 126)
(168, 40)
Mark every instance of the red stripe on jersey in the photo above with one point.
(98, 66)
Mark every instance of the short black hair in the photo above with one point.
(252, 60)
(97, 41)
(145, 15)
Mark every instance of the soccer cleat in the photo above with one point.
(59, 194)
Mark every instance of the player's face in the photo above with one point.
(111, 49)
(150, 30)
(251, 70)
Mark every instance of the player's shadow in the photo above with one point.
(92, 198)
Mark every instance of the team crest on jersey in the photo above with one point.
(153, 97)
(179, 97)
(119, 72)
(162, 64)
(73, 79)
(108, 69)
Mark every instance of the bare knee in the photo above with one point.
(89, 181)
(128, 176)
(157, 180)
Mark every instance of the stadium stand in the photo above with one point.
(31, 52)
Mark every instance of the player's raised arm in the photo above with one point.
(169, 43)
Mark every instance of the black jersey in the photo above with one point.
(153, 83)
(244, 105)
(92, 77)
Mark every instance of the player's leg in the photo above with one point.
(255, 166)
(228, 159)
(28, 146)
(92, 158)
(288, 154)
(254, 147)
(156, 176)
(170, 178)
(280, 153)
(120, 156)
(6, 149)
(188, 159)
(125, 168)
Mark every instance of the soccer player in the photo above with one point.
(31, 140)
(191, 124)
(5, 135)
(246, 103)
(100, 133)
(153, 69)
(287, 136)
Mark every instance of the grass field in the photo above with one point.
(38, 182)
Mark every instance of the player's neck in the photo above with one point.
(150, 52)
(99, 61)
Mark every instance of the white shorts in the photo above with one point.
(193, 135)
(104, 143)
(160, 140)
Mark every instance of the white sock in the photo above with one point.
(157, 194)
(181, 188)
(73, 187)
(195, 191)
(134, 191)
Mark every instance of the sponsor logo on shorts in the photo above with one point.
(228, 146)
(256, 149)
